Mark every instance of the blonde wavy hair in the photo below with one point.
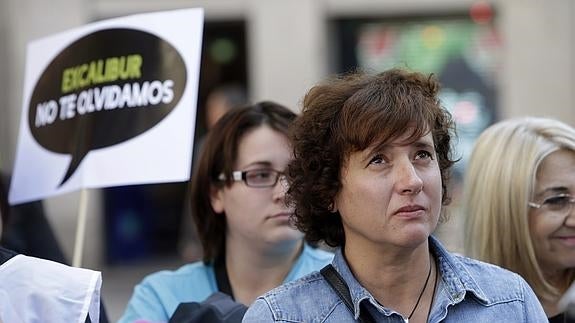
(499, 183)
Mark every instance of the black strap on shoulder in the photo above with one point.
(222, 280)
(340, 287)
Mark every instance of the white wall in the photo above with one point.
(539, 58)
(286, 49)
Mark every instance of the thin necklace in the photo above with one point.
(433, 293)
(420, 294)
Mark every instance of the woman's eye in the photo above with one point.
(377, 159)
(559, 200)
(260, 174)
(423, 154)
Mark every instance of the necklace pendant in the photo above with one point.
(406, 320)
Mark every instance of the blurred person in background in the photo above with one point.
(39, 290)
(27, 230)
(518, 199)
(221, 100)
(249, 244)
(372, 155)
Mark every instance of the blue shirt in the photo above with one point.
(468, 291)
(156, 298)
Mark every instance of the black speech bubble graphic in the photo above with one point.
(112, 64)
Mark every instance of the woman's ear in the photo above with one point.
(217, 199)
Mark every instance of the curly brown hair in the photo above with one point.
(349, 113)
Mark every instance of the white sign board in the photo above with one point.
(110, 103)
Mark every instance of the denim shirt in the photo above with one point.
(468, 291)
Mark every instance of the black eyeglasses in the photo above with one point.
(558, 205)
(265, 177)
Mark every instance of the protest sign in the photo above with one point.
(109, 103)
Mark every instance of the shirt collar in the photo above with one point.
(456, 279)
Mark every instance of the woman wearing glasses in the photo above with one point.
(518, 199)
(249, 244)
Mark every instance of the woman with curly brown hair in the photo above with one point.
(369, 176)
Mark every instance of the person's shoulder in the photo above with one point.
(494, 281)
(494, 285)
(196, 271)
(158, 295)
(296, 286)
(480, 268)
(290, 301)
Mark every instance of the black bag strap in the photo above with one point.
(340, 287)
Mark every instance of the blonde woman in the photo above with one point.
(518, 199)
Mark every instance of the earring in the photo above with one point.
(332, 208)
